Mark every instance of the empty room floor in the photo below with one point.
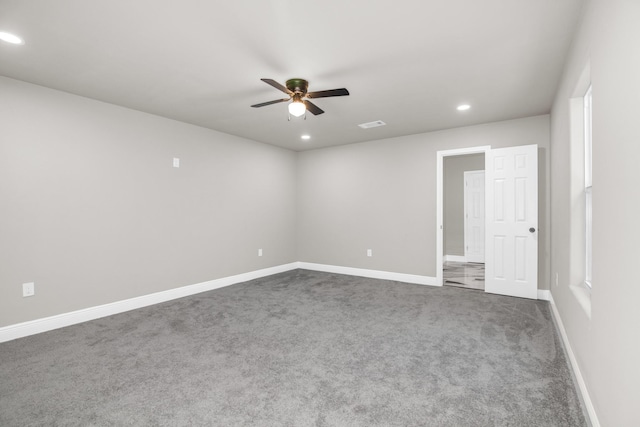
(300, 348)
(468, 275)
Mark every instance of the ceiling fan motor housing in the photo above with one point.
(297, 85)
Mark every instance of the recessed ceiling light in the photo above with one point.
(305, 137)
(10, 38)
(464, 107)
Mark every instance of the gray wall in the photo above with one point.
(381, 195)
(604, 334)
(453, 198)
(93, 212)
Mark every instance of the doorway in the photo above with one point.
(511, 218)
(463, 221)
(440, 215)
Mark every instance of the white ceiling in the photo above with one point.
(408, 63)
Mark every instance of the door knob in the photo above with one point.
(532, 230)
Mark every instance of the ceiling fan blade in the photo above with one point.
(328, 93)
(313, 108)
(277, 85)
(264, 104)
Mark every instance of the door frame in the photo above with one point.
(440, 200)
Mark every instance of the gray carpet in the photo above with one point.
(300, 348)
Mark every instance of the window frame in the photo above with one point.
(588, 185)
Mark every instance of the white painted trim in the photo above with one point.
(582, 293)
(455, 258)
(440, 199)
(45, 324)
(544, 294)
(582, 385)
(374, 274)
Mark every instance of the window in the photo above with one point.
(588, 191)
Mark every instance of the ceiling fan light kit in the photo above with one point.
(297, 91)
(297, 108)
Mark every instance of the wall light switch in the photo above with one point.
(176, 162)
(259, 252)
(28, 289)
(369, 252)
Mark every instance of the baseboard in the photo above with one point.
(374, 274)
(45, 324)
(544, 294)
(582, 385)
(455, 258)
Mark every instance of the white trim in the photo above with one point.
(374, 274)
(45, 324)
(582, 385)
(544, 294)
(582, 292)
(455, 258)
(440, 200)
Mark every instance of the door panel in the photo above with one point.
(498, 245)
(511, 258)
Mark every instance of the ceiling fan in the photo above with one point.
(297, 91)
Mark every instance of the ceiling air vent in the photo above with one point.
(372, 124)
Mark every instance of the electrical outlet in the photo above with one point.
(369, 252)
(259, 252)
(28, 289)
(176, 162)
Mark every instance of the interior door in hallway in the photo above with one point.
(511, 251)
(474, 216)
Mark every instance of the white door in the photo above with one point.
(474, 216)
(511, 252)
